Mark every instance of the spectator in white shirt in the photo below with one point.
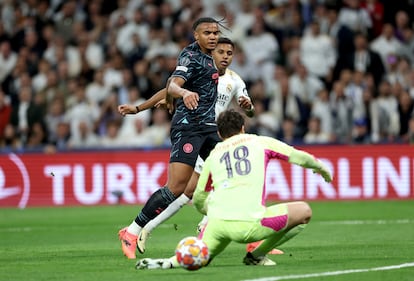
(39, 81)
(386, 44)
(8, 60)
(304, 85)
(236, 32)
(161, 45)
(120, 12)
(385, 123)
(283, 102)
(81, 111)
(245, 18)
(137, 25)
(55, 114)
(136, 122)
(97, 91)
(354, 92)
(342, 113)
(156, 135)
(58, 51)
(90, 51)
(243, 66)
(321, 108)
(399, 71)
(86, 137)
(263, 50)
(113, 70)
(112, 139)
(354, 17)
(317, 52)
(315, 135)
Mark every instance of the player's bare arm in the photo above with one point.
(155, 100)
(176, 90)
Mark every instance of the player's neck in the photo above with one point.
(205, 50)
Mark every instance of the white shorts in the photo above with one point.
(199, 165)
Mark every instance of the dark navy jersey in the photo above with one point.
(201, 76)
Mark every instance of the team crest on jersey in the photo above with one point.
(188, 148)
(229, 88)
(184, 61)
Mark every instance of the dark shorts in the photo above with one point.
(190, 141)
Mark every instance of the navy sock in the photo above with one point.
(157, 203)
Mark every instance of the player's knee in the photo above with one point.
(177, 186)
(307, 212)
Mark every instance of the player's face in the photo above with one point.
(223, 56)
(207, 35)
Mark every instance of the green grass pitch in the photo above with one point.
(81, 243)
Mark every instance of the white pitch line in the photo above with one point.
(333, 273)
(352, 222)
(173, 226)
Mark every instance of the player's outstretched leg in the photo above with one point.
(173, 208)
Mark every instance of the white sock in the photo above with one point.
(167, 213)
(202, 224)
(174, 262)
(134, 228)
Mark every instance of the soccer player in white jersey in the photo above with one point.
(236, 168)
(230, 87)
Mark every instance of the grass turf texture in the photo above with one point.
(81, 243)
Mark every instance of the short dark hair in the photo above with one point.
(225, 40)
(229, 123)
(203, 20)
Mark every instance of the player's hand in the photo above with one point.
(324, 172)
(162, 104)
(245, 103)
(190, 100)
(170, 103)
(124, 109)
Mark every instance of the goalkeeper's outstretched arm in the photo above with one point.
(307, 160)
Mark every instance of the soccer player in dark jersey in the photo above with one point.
(193, 128)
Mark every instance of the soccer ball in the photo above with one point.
(192, 253)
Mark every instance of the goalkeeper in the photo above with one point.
(237, 169)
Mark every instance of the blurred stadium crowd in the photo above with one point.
(318, 71)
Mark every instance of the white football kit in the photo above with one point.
(230, 86)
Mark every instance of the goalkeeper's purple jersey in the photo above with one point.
(237, 168)
(201, 76)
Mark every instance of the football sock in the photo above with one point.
(277, 240)
(168, 212)
(157, 203)
(134, 228)
(174, 262)
(202, 224)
